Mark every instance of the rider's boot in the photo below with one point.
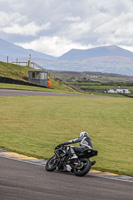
(93, 163)
(74, 156)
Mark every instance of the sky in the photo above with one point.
(54, 27)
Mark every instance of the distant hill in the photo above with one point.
(14, 51)
(77, 54)
(105, 59)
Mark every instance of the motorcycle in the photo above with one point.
(61, 160)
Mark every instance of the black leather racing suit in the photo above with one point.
(85, 143)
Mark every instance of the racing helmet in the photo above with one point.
(83, 133)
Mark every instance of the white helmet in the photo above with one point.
(83, 133)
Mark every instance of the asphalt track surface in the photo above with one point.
(21, 180)
(8, 92)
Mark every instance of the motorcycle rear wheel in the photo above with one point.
(51, 164)
(84, 167)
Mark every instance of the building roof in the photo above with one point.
(115, 88)
(39, 71)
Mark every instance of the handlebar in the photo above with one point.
(60, 146)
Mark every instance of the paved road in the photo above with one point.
(20, 180)
(7, 92)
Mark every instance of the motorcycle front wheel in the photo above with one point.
(83, 168)
(51, 164)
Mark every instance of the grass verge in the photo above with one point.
(35, 125)
(55, 88)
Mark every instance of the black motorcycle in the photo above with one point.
(62, 161)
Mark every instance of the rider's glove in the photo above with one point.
(59, 146)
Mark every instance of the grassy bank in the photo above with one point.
(14, 71)
(35, 125)
(19, 72)
(56, 87)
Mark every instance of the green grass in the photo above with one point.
(56, 87)
(35, 125)
(14, 71)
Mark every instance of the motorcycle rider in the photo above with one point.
(65, 158)
(85, 144)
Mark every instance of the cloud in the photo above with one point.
(77, 30)
(11, 18)
(52, 45)
(4, 19)
(28, 29)
(117, 30)
(72, 19)
(54, 27)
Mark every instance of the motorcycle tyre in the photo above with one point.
(85, 170)
(50, 169)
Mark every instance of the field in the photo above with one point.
(95, 82)
(35, 125)
(96, 88)
(94, 76)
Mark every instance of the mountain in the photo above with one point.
(106, 59)
(76, 54)
(14, 51)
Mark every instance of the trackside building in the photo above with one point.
(119, 90)
(39, 77)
